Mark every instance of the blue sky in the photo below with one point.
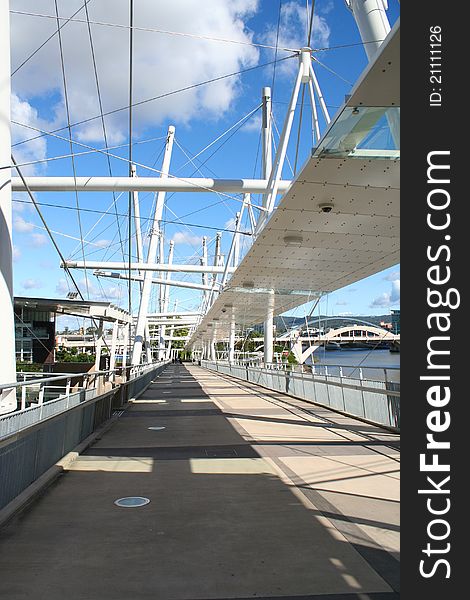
(164, 63)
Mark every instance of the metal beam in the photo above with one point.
(120, 266)
(168, 282)
(147, 184)
(7, 347)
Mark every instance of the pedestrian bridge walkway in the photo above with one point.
(252, 494)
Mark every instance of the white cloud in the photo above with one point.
(325, 8)
(342, 303)
(184, 237)
(22, 226)
(112, 293)
(21, 204)
(37, 240)
(388, 298)
(393, 276)
(162, 63)
(102, 243)
(16, 253)
(31, 284)
(62, 287)
(23, 112)
(253, 124)
(293, 32)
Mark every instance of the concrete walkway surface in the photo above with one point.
(253, 494)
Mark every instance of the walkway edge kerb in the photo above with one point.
(28, 495)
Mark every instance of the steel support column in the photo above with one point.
(99, 344)
(152, 254)
(231, 340)
(7, 347)
(268, 330)
(372, 22)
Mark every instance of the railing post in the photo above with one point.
(23, 397)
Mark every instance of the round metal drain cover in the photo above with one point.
(156, 428)
(132, 501)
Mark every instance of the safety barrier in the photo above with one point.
(377, 402)
(34, 439)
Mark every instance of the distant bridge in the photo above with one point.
(353, 333)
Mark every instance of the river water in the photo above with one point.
(372, 362)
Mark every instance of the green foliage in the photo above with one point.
(28, 367)
(291, 359)
(183, 332)
(72, 355)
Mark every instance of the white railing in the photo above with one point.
(376, 401)
(41, 395)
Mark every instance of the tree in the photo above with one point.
(180, 332)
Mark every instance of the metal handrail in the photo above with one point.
(370, 400)
(59, 377)
(87, 380)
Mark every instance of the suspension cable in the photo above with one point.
(129, 222)
(154, 30)
(64, 79)
(159, 97)
(103, 125)
(48, 39)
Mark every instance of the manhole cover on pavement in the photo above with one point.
(132, 501)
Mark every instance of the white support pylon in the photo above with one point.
(227, 268)
(316, 85)
(372, 22)
(268, 330)
(152, 254)
(205, 279)
(140, 254)
(112, 358)
(231, 340)
(236, 245)
(165, 292)
(99, 344)
(267, 137)
(125, 346)
(276, 171)
(7, 347)
(166, 296)
(316, 125)
(306, 76)
(218, 238)
(138, 230)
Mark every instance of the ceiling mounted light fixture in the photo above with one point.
(293, 240)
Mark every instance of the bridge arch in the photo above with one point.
(378, 333)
